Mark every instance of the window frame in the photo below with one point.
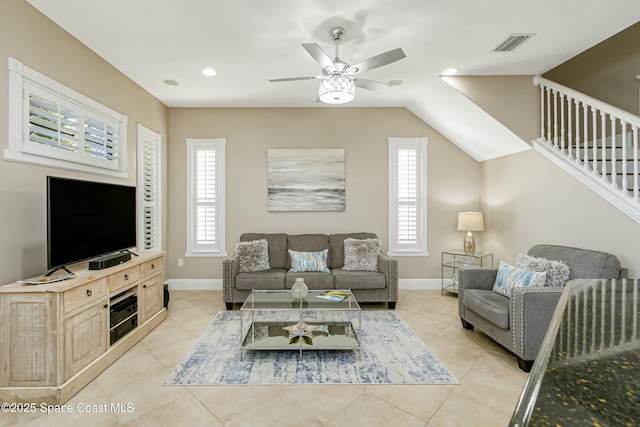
(24, 82)
(419, 246)
(218, 249)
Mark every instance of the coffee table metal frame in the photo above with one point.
(297, 315)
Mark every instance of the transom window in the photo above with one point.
(53, 125)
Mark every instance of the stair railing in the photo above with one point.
(597, 141)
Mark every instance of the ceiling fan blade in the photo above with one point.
(291, 79)
(372, 85)
(318, 54)
(380, 60)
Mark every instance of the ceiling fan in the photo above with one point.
(338, 79)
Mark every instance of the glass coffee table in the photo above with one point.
(275, 320)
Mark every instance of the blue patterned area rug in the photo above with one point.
(391, 353)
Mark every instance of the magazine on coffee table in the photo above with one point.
(335, 296)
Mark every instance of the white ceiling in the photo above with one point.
(250, 41)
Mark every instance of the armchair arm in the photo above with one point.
(230, 268)
(476, 278)
(473, 278)
(530, 314)
(389, 267)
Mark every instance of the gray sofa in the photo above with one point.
(366, 286)
(520, 322)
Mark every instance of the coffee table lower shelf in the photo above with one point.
(299, 336)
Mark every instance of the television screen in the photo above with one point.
(88, 219)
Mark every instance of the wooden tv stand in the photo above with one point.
(55, 337)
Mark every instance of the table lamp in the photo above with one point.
(470, 221)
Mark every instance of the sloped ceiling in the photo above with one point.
(248, 42)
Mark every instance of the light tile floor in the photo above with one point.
(490, 381)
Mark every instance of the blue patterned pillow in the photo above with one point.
(513, 277)
(308, 261)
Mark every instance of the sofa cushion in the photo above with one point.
(253, 255)
(308, 261)
(509, 277)
(336, 246)
(312, 280)
(277, 243)
(345, 279)
(557, 271)
(583, 263)
(270, 279)
(488, 305)
(361, 254)
(307, 243)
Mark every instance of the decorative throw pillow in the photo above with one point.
(512, 277)
(253, 255)
(361, 254)
(557, 271)
(308, 261)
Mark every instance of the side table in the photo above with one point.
(455, 259)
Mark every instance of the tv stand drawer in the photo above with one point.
(77, 297)
(123, 278)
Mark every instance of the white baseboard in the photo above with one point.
(216, 284)
(420, 284)
(194, 284)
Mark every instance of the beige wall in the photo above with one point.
(29, 37)
(607, 71)
(530, 200)
(453, 177)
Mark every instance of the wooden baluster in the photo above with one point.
(614, 169)
(635, 162)
(603, 133)
(555, 118)
(570, 128)
(577, 131)
(594, 136)
(542, 90)
(623, 125)
(585, 137)
(562, 101)
(549, 115)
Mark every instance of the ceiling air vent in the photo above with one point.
(512, 42)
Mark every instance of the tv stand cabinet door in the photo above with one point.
(85, 338)
(150, 297)
(28, 340)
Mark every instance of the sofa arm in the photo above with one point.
(389, 267)
(230, 268)
(530, 315)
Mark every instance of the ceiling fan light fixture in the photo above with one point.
(337, 89)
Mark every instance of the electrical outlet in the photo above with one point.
(180, 262)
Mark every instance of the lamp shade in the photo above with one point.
(470, 221)
(336, 90)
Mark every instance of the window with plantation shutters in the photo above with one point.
(149, 225)
(205, 197)
(407, 196)
(53, 125)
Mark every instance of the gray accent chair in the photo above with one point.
(366, 286)
(519, 323)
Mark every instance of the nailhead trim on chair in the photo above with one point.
(518, 298)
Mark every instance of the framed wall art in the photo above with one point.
(306, 180)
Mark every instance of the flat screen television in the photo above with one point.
(88, 219)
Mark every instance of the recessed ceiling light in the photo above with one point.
(449, 71)
(171, 82)
(394, 82)
(209, 72)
